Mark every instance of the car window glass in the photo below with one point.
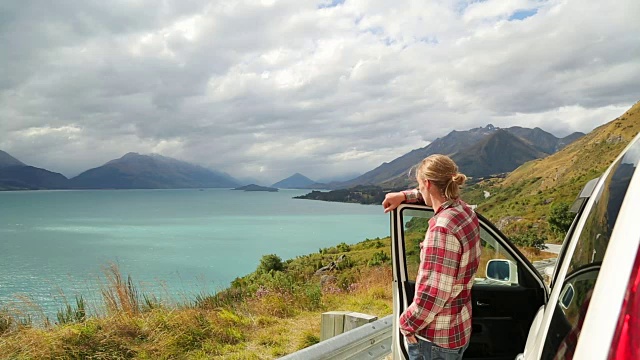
(497, 266)
(503, 272)
(416, 223)
(584, 264)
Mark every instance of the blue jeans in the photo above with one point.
(424, 350)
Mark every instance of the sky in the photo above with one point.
(329, 88)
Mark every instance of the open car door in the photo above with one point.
(507, 291)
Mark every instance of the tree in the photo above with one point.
(271, 262)
(560, 218)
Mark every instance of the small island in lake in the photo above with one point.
(254, 187)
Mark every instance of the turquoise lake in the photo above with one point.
(54, 245)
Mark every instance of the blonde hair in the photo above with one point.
(443, 173)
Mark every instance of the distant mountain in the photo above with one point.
(295, 181)
(7, 160)
(23, 177)
(542, 140)
(394, 173)
(135, 171)
(569, 139)
(497, 153)
(536, 137)
(339, 178)
(16, 175)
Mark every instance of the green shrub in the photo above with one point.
(343, 247)
(271, 262)
(530, 238)
(378, 259)
(313, 294)
(560, 218)
(346, 263)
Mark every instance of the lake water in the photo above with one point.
(174, 243)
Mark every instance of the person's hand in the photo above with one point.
(392, 200)
(411, 339)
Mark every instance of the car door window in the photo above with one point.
(585, 261)
(502, 270)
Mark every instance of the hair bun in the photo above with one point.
(459, 178)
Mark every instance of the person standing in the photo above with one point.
(437, 324)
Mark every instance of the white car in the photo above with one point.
(591, 310)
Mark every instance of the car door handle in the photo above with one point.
(480, 303)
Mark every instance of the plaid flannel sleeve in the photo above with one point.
(413, 196)
(438, 271)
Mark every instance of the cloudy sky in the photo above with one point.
(328, 88)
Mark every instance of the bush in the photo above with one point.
(346, 263)
(271, 262)
(379, 258)
(560, 218)
(530, 238)
(312, 297)
(343, 247)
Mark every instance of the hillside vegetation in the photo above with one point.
(522, 201)
(264, 315)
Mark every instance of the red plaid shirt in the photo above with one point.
(449, 257)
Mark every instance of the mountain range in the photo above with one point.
(521, 201)
(479, 152)
(132, 171)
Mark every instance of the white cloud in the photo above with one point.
(269, 88)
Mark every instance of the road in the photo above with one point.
(553, 248)
(547, 263)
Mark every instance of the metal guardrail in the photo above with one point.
(370, 341)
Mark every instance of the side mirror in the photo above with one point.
(502, 270)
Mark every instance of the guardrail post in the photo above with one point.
(332, 324)
(353, 320)
(337, 322)
(369, 342)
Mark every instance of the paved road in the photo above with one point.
(553, 248)
(543, 264)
